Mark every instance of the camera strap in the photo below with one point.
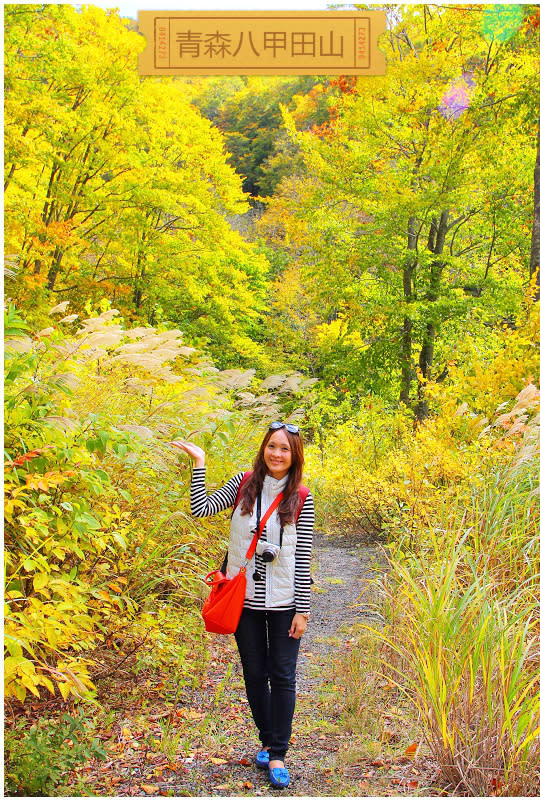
(261, 523)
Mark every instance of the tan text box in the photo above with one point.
(261, 43)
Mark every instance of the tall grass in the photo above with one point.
(463, 643)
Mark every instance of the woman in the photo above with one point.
(277, 603)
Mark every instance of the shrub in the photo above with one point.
(38, 759)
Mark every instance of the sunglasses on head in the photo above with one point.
(276, 426)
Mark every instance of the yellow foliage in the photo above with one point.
(98, 535)
(377, 473)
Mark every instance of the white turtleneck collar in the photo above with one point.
(273, 484)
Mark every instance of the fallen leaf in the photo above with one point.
(411, 750)
(218, 760)
(248, 785)
(156, 756)
(223, 787)
(177, 767)
(191, 714)
(150, 788)
(377, 762)
(412, 785)
(126, 733)
(244, 762)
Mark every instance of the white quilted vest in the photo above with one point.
(280, 572)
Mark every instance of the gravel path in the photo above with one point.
(342, 571)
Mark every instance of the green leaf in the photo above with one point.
(13, 646)
(104, 476)
(120, 539)
(120, 448)
(89, 520)
(104, 436)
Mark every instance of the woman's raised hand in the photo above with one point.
(194, 452)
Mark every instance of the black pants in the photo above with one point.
(269, 654)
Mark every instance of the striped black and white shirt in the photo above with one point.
(204, 506)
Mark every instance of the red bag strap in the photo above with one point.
(255, 539)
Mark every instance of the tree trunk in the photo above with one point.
(535, 238)
(424, 362)
(406, 335)
(437, 235)
(139, 279)
(55, 267)
(9, 177)
(12, 168)
(406, 351)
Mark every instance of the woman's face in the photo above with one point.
(277, 454)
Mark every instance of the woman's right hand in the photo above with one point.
(194, 452)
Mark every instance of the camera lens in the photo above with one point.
(268, 555)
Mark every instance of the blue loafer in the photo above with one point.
(262, 758)
(279, 777)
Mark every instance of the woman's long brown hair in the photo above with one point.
(253, 485)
